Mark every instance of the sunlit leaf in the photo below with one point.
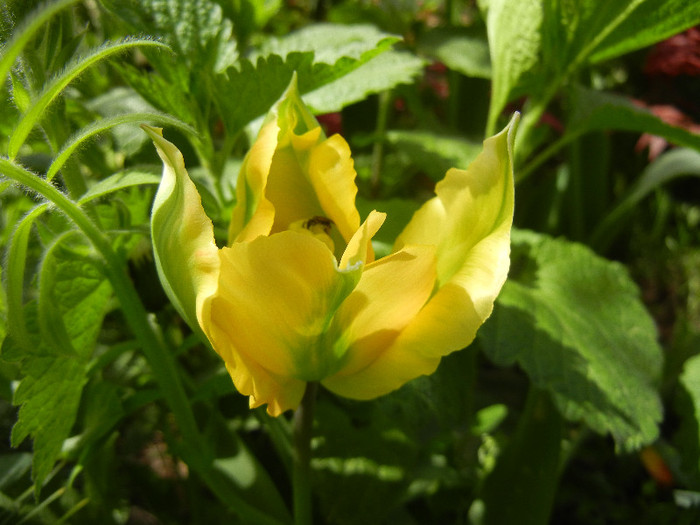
(574, 322)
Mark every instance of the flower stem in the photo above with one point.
(303, 421)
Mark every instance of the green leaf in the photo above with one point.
(329, 78)
(572, 29)
(331, 42)
(15, 267)
(50, 395)
(670, 165)
(528, 469)
(73, 295)
(461, 49)
(651, 22)
(597, 110)
(73, 298)
(195, 29)
(119, 181)
(575, 324)
(515, 44)
(382, 73)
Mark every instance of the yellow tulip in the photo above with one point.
(296, 295)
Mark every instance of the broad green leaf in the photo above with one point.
(331, 43)
(168, 87)
(324, 73)
(73, 295)
(651, 22)
(196, 30)
(597, 110)
(575, 324)
(50, 395)
(515, 45)
(460, 49)
(381, 73)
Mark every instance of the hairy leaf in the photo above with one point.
(575, 324)
(196, 30)
(64, 326)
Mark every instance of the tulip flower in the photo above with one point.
(297, 296)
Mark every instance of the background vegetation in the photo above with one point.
(578, 403)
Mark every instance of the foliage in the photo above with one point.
(115, 412)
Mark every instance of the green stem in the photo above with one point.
(380, 132)
(303, 421)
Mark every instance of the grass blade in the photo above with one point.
(102, 125)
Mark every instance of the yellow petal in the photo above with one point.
(359, 249)
(332, 174)
(183, 236)
(270, 317)
(469, 222)
(471, 219)
(294, 172)
(390, 293)
(254, 214)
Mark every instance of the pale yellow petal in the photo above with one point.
(389, 295)
(359, 249)
(185, 253)
(470, 222)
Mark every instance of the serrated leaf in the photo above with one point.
(72, 298)
(651, 22)
(356, 69)
(575, 324)
(49, 395)
(597, 110)
(383, 72)
(460, 49)
(331, 42)
(72, 303)
(195, 29)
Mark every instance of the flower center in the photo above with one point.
(318, 226)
